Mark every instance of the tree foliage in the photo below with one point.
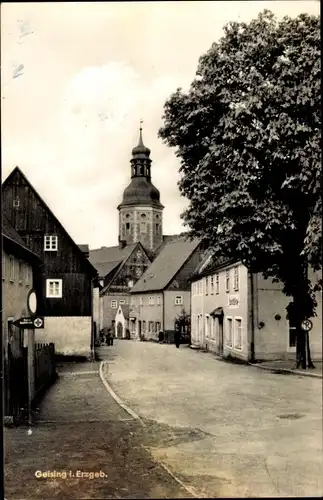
(247, 134)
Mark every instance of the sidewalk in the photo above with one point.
(81, 431)
(287, 366)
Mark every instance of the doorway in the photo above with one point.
(119, 330)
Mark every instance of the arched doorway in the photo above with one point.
(119, 330)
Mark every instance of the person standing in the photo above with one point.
(177, 338)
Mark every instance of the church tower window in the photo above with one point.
(143, 227)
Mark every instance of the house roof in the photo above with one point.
(84, 249)
(18, 170)
(168, 262)
(9, 233)
(105, 268)
(210, 265)
(110, 254)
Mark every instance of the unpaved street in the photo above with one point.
(243, 431)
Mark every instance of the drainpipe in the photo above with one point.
(164, 319)
(252, 317)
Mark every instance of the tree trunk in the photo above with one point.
(309, 359)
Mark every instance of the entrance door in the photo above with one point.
(119, 330)
(220, 320)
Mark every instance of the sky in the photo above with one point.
(77, 78)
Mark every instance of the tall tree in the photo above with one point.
(248, 137)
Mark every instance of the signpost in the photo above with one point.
(30, 323)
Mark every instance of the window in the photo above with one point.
(3, 266)
(227, 281)
(212, 284)
(50, 243)
(114, 304)
(122, 301)
(11, 268)
(200, 287)
(236, 278)
(157, 327)
(54, 288)
(157, 228)
(21, 270)
(133, 301)
(151, 326)
(207, 326)
(217, 284)
(229, 332)
(151, 301)
(215, 329)
(206, 285)
(143, 227)
(141, 301)
(158, 300)
(16, 203)
(144, 326)
(178, 300)
(238, 333)
(127, 227)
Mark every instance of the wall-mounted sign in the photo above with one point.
(233, 301)
(307, 325)
(32, 302)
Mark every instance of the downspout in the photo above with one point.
(164, 319)
(252, 317)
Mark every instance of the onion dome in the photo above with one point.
(141, 149)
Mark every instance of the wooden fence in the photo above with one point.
(45, 366)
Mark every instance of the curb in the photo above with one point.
(115, 396)
(190, 490)
(286, 370)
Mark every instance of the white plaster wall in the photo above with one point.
(71, 335)
(96, 307)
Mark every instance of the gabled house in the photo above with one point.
(237, 314)
(118, 268)
(67, 277)
(163, 292)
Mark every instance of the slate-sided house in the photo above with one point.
(20, 267)
(118, 268)
(67, 278)
(163, 292)
(242, 315)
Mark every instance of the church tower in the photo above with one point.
(140, 212)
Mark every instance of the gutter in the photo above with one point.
(252, 317)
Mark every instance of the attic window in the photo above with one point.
(16, 203)
(50, 243)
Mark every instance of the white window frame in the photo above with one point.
(53, 295)
(16, 202)
(207, 285)
(236, 278)
(114, 304)
(12, 269)
(50, 243)
(180, 301)
(236, 320)
(227, 281)
(122, 302)
(141, 301)
(228, 320)
(158, 300)
(151, 300)
(212, 284)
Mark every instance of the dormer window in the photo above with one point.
(50, 243)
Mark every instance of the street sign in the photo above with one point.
(307, 325)
(37, 322)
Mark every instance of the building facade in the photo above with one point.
(242, 315)
(162, 295)
(67, 278)
(20, 268)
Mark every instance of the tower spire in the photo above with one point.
(140, 133)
